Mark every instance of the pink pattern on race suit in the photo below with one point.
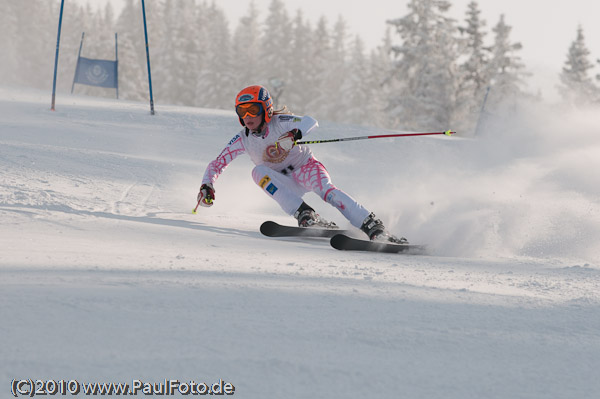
(225, 157)
(314, 177)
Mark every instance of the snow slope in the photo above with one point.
(107, 276)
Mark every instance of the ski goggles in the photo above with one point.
(248, 109)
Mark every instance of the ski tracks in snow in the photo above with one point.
(135, 200)
(84, 182)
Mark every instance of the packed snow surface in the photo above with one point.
(107, 276)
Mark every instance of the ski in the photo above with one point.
(272, 229)
(343, 242)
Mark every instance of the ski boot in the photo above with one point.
(376, 231)
(307, 217)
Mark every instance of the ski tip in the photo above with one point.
(268, 228)
(342, 242)
(339, 241)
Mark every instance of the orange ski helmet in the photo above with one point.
(255, 94)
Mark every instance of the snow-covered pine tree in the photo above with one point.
(381, 66)
(477, 54)
(9, 24)
(337, 74)
(215, 87)
(35, 47)
(277, 55)
(183, 55)
(473, 71)
(426, 68)
(506, 70)
(356, 95)
(133, 73)
(377, 97)
(247, 49)
(317, 66)
(297, 93)
(577, 86)
(598, 76)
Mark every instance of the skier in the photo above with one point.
(286, 171)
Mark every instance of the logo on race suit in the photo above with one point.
(233, 140)
(271, 188)
(263, 182)
(275, 154)
(245, 97)
(288, 118)
(330, 198)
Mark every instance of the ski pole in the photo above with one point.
(198, 204)
(196, 208)
(447, 133)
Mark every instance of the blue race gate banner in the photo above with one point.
(101, 73)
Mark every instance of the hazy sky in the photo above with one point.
(545, 28)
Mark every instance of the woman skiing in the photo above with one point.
(286, 171)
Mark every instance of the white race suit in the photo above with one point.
(286, 175)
